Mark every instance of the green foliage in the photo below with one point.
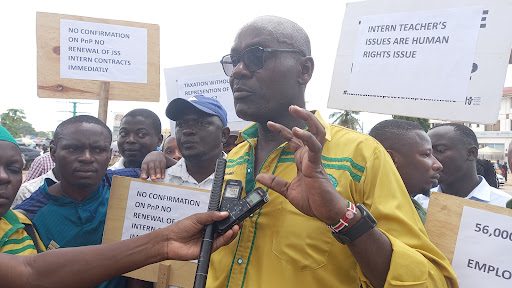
(14, 121)
(12, 117)
(347, 119)
(424, 123)
(26, 128)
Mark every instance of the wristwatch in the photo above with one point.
(365, 224)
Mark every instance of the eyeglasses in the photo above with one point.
(253, 58)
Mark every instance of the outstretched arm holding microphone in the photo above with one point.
(90, 265)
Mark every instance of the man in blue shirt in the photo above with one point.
(72, 212)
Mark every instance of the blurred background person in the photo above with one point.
(170, 148)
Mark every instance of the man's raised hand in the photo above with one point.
(311, 191)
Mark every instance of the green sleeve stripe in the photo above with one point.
(20, 250)
(345, 159)
(17, 241)
(347, 168)
(356, 166)
(344, 167)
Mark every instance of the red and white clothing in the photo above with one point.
(41, 165)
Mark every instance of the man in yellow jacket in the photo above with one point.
(339, 214)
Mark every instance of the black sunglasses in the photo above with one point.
(253, 58)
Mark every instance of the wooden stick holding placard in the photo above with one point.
(103, 107)
(164, 273)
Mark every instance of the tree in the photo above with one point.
(424, 123)
(346, 118)
(12, 119)
(26, 128)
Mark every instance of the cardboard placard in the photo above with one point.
(125, 54)
(476, 238)
(177, 273)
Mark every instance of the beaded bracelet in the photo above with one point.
(351, 211)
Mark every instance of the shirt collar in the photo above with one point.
(481, 192)
(251, 132)
(51, 175)
(14, 224)
(61, 200)
(180, 170)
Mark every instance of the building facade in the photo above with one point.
(498, 135)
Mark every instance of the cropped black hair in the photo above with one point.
(149, 115)
(390, 132)
(465, 133)
(78, 120)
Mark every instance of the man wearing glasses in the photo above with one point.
(322, 171)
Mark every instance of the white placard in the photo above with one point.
(97, 51)
(483, 252)
(210, 85)
(402, 54)
(151, 207)
(197, 79)
(452, 79)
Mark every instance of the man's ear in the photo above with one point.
(307, 65)
(393, 156)
(160, 139)
(472, 153)
(225, 134)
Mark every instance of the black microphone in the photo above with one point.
(207, 244)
